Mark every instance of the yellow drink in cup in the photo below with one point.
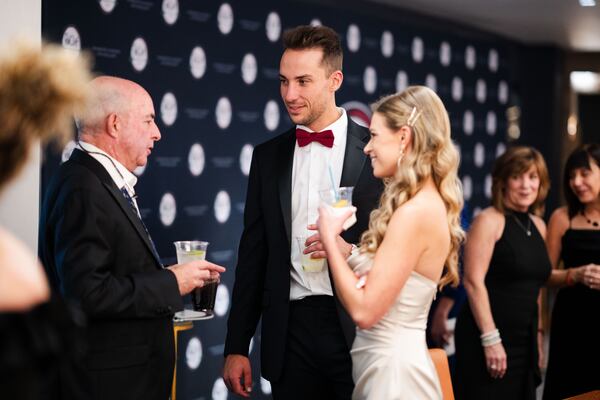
(309, 264)
(340, 201)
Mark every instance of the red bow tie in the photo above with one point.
(304, 138)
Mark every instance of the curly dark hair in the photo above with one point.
(579, 158)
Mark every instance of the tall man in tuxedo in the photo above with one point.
(306, 335)
(98, 253)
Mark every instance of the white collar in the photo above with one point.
(117, 171)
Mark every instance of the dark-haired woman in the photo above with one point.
(574, 238)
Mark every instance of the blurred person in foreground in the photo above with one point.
(99, 255)
(574, 238)
(40, 89)
(498, 346)
(410, 248)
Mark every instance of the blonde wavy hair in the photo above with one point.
(433, 154)
(40, 90)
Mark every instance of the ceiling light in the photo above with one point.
(585, 81)
(587, 3)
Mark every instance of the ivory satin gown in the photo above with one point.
(390, 360)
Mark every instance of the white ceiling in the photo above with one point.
(560, 22)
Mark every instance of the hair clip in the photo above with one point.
(414, 116)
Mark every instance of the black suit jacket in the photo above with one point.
(262, 278)
(98, 255)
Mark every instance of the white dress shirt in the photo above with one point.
(310, 175)
(122, 177)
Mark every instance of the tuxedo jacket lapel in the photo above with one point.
(286, 163)
(89, 162)
(354, 157)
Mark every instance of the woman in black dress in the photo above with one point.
(505, 265)
(574, 239)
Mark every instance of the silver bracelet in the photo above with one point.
(490, 338)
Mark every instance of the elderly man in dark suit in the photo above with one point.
(306, 335)
(98, 253)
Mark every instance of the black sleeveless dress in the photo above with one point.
(575, 330)
(518, 268)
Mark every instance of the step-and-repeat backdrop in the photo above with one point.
(211, 68)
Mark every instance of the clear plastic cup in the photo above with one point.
(203, 298)
(309, 264)
(340, 201)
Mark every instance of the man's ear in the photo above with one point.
(113, 125)
(336, 79)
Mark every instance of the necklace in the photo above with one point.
(526, 230)
(589, 221)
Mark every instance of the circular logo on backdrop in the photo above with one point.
(223, 113)
(68, 150)
(71, 39)
(417, 49)
(170, 11)
(502, 92)
(353, 38)
(370, 79)
(139, 54)
(479, 155)
(193, 353)
(222, 207)
(225, 18)
(249, 68)
(219, 390)
(198, 62)
(468, 122)
(500, 149)
(401, 81)
(140, 170)
(246, 158)
(265, 386)
(196, 159)
(457, 89)
(470, 57)
(108, 5)
(467, 185)
(273, 26)
(445, 54)
(271, 115)
(431, 82)
(359, 112)
(315, 22)
(493, 60)
(167, 209)
(387, 44)
(490, 123)
(480, 91)
(168, 109)
(222, 300)
(487, 186)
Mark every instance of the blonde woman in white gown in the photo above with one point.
(409, 249)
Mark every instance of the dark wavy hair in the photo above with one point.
(306, 37)
(579, 158)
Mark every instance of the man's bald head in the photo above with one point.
(110, 95)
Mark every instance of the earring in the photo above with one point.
(400, 157)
